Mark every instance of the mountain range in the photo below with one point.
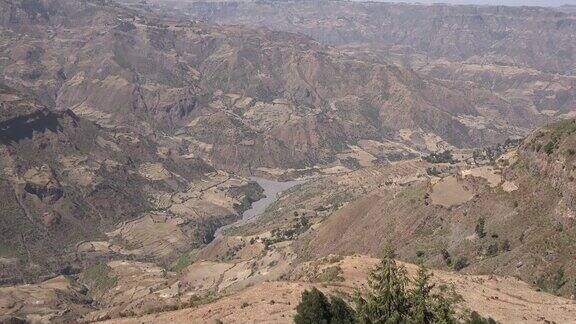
(134, 134)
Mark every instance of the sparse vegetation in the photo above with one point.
(479, 229)
(476, 318)
(182, 262)
(447, 257)
(553, 283)
(392, 297)
(135, 134)
(233, 251)
(442, 157)
(558, 280)
(460, 264)
(505, 246)
(330, 274)
(492, 249)
(550, 139)
(99, 278)
(285, 234)
(490, 154)
(432, 171)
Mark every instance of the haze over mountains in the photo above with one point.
(554, 3)
(131, 131)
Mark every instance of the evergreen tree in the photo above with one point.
(313, 308)
(431, 304)
(340, 311)
(387, 300)
(443, 305)
(391, 298)
(420, 297)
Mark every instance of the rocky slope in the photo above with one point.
(284, 94)
(65, 180)
(476, 34)
(513, 216)
(493, 54)
(127, 131)
(550, 153)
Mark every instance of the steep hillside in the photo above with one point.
(477, 34)
(551, 152)
(66, 180)
(508, 215)
(284, 94)
(492, 54)
(131, 133)
(505, 299)
(513, 217)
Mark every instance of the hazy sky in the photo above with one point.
(499, 2)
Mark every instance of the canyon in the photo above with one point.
(209, 161)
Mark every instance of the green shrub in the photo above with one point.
(447, 257)
(329, 274)
(182, 262)
(461, 263)
(479, 229)
(558, 280)
(432, 171)
(476, 318)
(505, 245)
(443, 157)
(549, 147)
(492, 249)
(340, 311)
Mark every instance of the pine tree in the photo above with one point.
(313, 308)
(476, 318)
(420, 298)
(391, 298)
(443, 304)
(386, 301)
(341, 313)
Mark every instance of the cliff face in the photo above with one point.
(495, 56)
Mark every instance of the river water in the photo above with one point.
(272, 190)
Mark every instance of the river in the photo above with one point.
(272, 190)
